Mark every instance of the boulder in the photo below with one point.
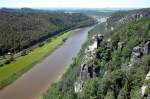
(120, 45)
(78, 87)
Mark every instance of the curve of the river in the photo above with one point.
(34, 82)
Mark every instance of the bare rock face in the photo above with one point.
(87, 72)
(138, 16)
(78, 86)
(84, 74)
(87, 69)
(136, 54)
(146, 48)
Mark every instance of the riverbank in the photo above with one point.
(10, 72)
(67, 79)
(35, 81)
(64, 86)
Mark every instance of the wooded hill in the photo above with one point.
(120, 67)
(22, 28)
(121, 58)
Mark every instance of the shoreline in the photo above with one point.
(75, 60)
(48, 71)
(21, 72)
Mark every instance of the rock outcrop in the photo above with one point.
(78, 86)
(147, 48)
(87, 69)
(144, 87)
(136, 54)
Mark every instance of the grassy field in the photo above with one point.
(20, 65)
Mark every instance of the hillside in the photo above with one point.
(113, 64)
(122, 58)
(23, 28)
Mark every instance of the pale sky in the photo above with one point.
(75, 3)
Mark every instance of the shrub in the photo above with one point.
(64, 39)
(1, 65)
(41, 44)
(12, 58)
(8, 61)
(24, 53)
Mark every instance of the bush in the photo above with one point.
(8, 61)
(49, 40)
(1, 65)
(24, 53)
(41, 44)
(12, 58)
(64, 39)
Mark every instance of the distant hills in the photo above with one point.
(23, 28)
(98, 12)
(22, 10)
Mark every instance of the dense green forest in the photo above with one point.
(119, 77)
(23, 28)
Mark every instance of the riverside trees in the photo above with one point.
(22, 29)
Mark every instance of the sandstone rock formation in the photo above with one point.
(147, 48)
(136, 54)
(87, 69)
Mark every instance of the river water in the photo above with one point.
(34, 82)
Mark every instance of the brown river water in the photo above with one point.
(33, 83)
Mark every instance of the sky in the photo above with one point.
(75, 3)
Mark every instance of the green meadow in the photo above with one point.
(10, 72)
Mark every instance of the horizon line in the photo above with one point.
(75, 7)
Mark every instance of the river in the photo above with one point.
(36, 81)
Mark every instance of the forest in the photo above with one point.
(122, 64)
(23, 28)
